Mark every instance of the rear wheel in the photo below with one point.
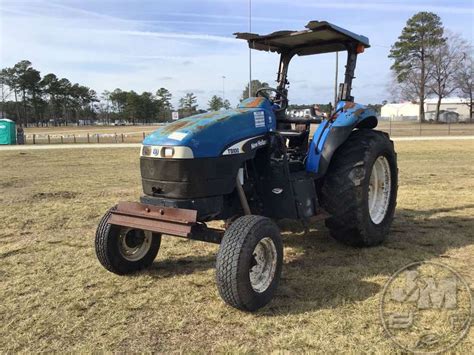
(249, 263)
(124, 250)
(360, 189)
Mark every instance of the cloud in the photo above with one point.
(168, 58)
(171, 35)
(385, 6)
(241, 19)
(194, 91)
(143, 44)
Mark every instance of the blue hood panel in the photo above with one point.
(210, 133)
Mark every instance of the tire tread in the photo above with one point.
(228, 258)
(342, 193)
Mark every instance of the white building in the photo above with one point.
(401, 111)
(410, 111)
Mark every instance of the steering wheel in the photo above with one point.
(282, 100)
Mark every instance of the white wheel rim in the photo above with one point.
(380, 186)
(134, 244)
(265, 261)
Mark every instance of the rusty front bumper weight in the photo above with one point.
(173, 221)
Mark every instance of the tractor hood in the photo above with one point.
(210, 134)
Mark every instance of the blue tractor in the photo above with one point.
(254, 164)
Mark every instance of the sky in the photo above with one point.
(187, 45)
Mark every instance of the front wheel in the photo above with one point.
(124, 250)
(249, 263)
(360, 189)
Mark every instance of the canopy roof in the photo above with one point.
(320, 37)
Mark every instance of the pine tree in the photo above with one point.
(411, 53)
(215, 103)
(188, 104)
(256, 84)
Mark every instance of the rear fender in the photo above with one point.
(332, 133)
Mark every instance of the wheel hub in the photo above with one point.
(263, 266)
(380, 186)
(133, 240)
(134, 243)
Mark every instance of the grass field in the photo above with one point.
(135, 134)
(56, 297)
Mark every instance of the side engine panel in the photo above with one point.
(282, 193)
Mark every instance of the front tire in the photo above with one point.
(249, 263)
(124, 250)
(360, 189)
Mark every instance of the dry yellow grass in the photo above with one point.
(55, 296)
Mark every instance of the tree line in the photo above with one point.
(429, 61)
(30, 99)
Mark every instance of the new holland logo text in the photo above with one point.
(258, 143)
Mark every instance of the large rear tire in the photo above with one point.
(249, 263)
(123, 250)
(360, 189)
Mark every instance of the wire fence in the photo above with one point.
(394, 128)
(410, 129)
(91, 138)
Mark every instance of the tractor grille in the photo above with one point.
(189, 178)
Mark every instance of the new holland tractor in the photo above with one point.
(250, 166)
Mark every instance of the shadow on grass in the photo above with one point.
(320, 273)
(183, 266)
(326, 274)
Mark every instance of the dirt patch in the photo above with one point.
(56, 195)
(11, 252)
(13, 182)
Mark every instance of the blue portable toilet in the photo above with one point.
(7, 131)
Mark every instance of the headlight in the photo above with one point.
(146, 151)
(167, 152)
(160, 152)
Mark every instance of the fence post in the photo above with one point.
(98, 138)
(420, 126)
(34, 138)
(88, 138)
(62, 139)
(449, 127)
(116, 137)
(49, 139)
(143, 135)
(74, 136)
(122, 137)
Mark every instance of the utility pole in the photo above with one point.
(250, 49)
(336, 80)
(3, 100)
(223, 88)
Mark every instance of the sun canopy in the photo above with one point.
(320, 37)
